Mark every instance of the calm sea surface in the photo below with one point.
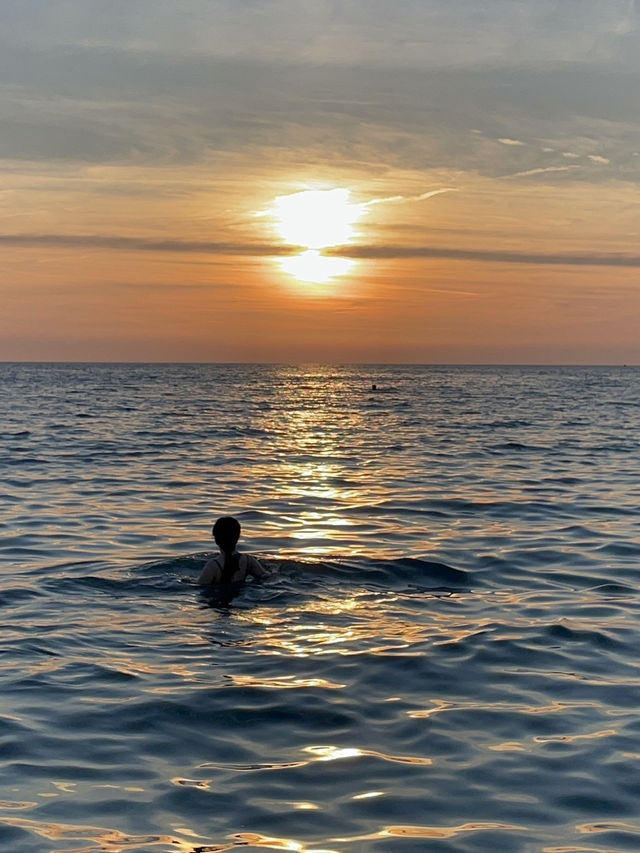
(447, 658)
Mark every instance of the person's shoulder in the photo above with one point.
(255, 567)
(210, 571)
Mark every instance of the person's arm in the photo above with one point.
(256, 569)
(210, 572)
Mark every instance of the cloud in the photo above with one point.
(141, 244)
(361, 252)
(374, 32)
(113, 103)
(392, 199)
(541, 171)
(488, 256)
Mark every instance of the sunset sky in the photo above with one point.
(445, 181)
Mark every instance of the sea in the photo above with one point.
(444, 658)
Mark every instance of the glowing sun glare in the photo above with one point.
(316, 219)
(313, 267)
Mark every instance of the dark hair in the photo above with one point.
(226, 532)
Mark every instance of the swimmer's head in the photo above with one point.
(226, 532)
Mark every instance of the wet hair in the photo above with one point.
(226, 532)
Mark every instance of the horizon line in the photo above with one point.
(316, 363)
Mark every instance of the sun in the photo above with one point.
(314, 268)
(316, 220)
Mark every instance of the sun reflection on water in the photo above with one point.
(285, 682)
(360, 623)
(189, 841)
(320, 489)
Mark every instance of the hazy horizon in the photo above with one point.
(333, 363)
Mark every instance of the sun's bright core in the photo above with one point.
(316, 219)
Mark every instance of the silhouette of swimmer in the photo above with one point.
(229, 567)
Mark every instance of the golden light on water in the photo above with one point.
(336, 753)
(316, 220)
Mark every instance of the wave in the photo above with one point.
(179, 574)
(392, 574)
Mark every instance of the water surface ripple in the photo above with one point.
(445, 659)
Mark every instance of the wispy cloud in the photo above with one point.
(506, 141)
(488, 256)
(357, 251)
(141, 244)
(422, 197)
(541, 171)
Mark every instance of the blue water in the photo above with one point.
(446, 658)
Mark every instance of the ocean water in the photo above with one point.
(445, 659)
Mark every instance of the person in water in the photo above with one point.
(229, 566)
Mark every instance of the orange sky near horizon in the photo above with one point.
(134, 234)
